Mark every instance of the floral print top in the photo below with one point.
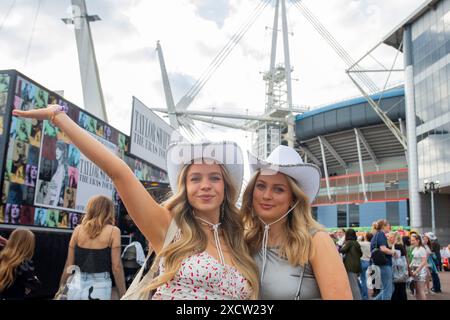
(203, 277)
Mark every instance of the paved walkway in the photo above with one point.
(444, 276)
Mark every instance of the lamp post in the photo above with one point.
(432, 187)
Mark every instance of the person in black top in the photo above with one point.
(17, 276)
(94, 255)
(379, 241)
(400, 283)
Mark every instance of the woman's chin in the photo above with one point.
(206, 207)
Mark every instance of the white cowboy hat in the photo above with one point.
(226, 152)
(431, 236)
(286, 160)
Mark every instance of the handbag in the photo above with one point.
(61, 294)
(378, 257)
(137, 291)
(400, 269)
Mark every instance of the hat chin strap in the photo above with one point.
(216, 237)
(266, 238)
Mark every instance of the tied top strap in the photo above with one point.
(266, 238)
(216, 238)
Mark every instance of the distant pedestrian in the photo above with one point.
(17, 277)
(365, 262)
(419, 266)
(352, 253)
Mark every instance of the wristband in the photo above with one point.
(60, 109)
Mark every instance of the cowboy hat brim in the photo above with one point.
(227, 153)
(306, 175)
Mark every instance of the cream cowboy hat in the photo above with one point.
(227, 153)
(431, 236)
(286, 160)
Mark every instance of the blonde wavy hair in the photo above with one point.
(20, 247)
(297, 246)
(194, 240)
(99, 213)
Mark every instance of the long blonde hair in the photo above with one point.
(194, 240)
(99, 213)
(297, 244)
(20, 247)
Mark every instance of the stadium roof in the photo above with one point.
(395, 92)
(335, 129)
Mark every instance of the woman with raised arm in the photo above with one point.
(297, 259)
(209, 258)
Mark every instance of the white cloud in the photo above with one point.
(192, 32)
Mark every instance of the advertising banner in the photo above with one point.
(150, 135)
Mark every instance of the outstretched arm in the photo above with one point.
(152, 219)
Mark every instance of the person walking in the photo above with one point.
(400, 268)
(379, 242)
(352, 253)
(419, 266)
(365, 263)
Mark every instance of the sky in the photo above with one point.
(192, 32)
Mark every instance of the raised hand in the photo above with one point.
(39, 114)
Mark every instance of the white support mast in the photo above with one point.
(287, 58)
(167, 90)
(90, 78)
(279, 113)
(273, 56)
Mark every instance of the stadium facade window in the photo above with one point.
(431, 57)
(342, 216)
(393, 213)
(353, 211)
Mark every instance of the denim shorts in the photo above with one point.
(89, 286)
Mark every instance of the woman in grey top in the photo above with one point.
(296, 259)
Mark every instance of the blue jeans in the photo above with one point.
(436, 281)
(387, 283)
(89, 286)
(363, 280)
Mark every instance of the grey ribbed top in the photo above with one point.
(281, 280)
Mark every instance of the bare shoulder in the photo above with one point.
(115, 231)
(321, 237)
(323, 243)
(75, 236)
(77, 230)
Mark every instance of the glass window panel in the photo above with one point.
(341, 216)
